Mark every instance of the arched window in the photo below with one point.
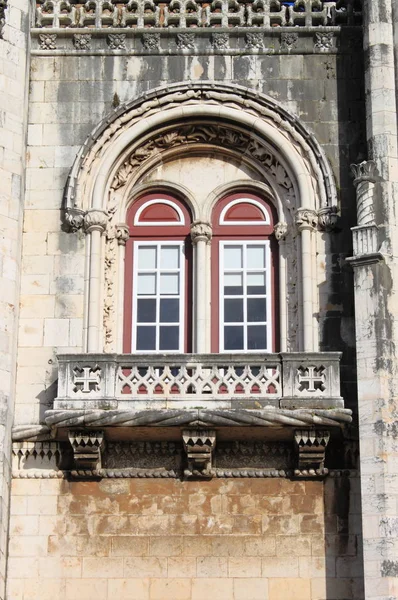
(158, 276)
(244, 256)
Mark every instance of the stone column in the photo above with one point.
(122, 235)
(201, 234)
(376, 277)
(280, 231)
(306, 222)
(95, 221)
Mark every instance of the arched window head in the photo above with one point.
(244, 290)
(158, 276)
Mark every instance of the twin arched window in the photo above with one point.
(159, 296)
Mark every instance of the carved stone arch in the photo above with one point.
(195, 116)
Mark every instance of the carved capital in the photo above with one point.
(364, 171)
(306, 219)
(201, 231)
(328, 218)
(74, 219)
(280, 230)
(199, 446)
(87, 447)
(95, 220)
(122, 234)
(311, 445)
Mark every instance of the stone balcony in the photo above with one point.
(193, 381)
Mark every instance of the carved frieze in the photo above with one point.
(186, 41)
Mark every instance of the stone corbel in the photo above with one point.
(87, 448)
(199, 446)
(328, 218)
(311, 445)
(74, 219)
(280, 230)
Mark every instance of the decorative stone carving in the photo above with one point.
(186, 41)
(280, 230)
(122, 234)
(328, 218)
(306, 219)
(86, 379)
(151, 41)
(254, 41)
(201, 231)
(183, 14)
(366, 176)
(199, 446)
(311, 379)
(74, 219)
(47, 41)
(36, 455)
(324, 41)
(311, 445)
(220, 41)
(117, 41)
(95, 220)
(225, 13)
(82, 41)
(87, 447)
(289, 41)
(3, 6)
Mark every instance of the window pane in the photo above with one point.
(255, 257)
(233, 257)
(233, 338)
(233, 310)
(169, 283)
(146, 310)
(233, 284)
(255, 283)
(147, 257)
(146, 338)
(256, 337)
(170, 257)
(169, 310)
(146, 283)
(169, 338)
(256, 309)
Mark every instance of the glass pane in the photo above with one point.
(146, 338)
(147, 257)
(169, 338)
(257, 337)
(233, 257)
(233, 338)
(169, 310)
(146, 283)
(169, 283)
(233, 310)
(146, 310)
(255, 257)
(170, 257)
(255, 283)
(233, 284)
(256, 309)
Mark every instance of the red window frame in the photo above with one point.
(230, 232)
(157, 233)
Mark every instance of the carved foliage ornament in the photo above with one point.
(47, 41)
(201, 231)
(82, 41)
(306, 219)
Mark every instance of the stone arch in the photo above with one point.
(196, 117)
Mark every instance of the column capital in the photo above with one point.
(122, 233)
(306, 218)
(95, 219)
(364, 171)
(201, 231)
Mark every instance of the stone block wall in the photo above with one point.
(264, 539)
(13, 116)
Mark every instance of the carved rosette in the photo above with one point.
(306, 219)
(280, 230)
(328, 218)
(95, 220)
(365, 174)
(201, 231)
(122, 234)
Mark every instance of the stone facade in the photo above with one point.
(188, 474)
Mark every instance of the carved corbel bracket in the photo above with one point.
(311, 445)
(87, 448)
(74, 219)
(199, 446)
(280, 230)
(328, 218)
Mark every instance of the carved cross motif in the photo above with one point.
(87, 379)
(311, 379)
(117, 41)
